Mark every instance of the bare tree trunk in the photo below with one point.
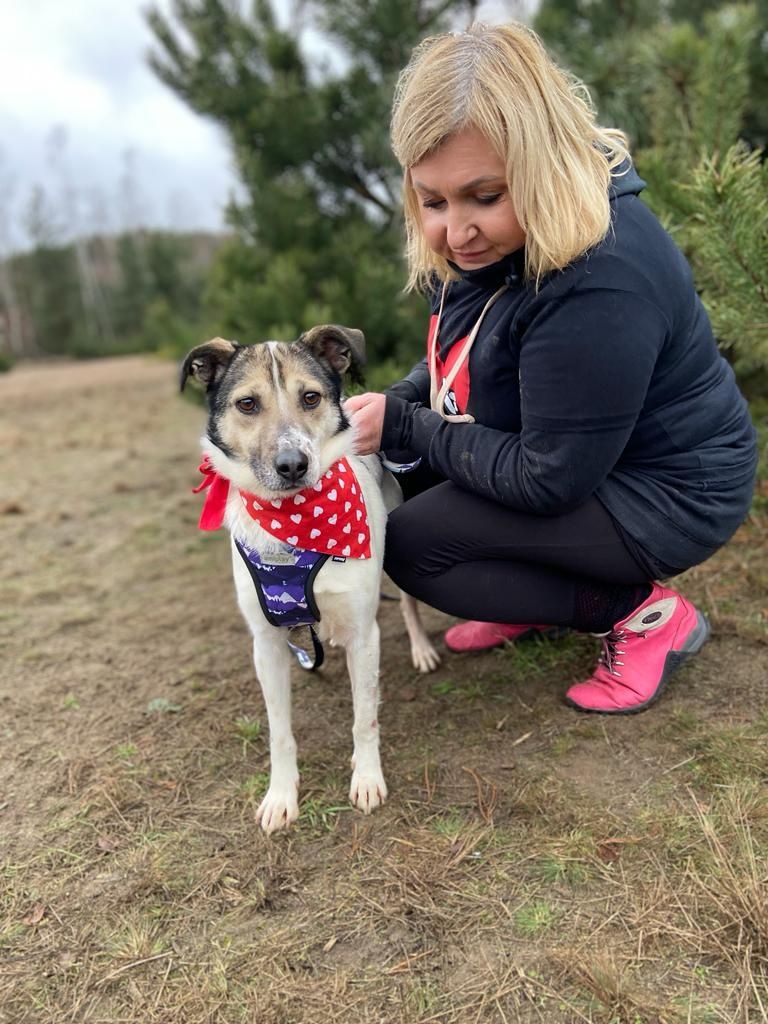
(91, 294)
(13, 336)
(12, 339)
(91, 297)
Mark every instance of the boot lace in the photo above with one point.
(613, 650)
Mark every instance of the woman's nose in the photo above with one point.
(459, 230)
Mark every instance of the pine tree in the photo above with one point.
(318, 232)
(694, 95)
(705, 183)
(728, 235)
(609, 46)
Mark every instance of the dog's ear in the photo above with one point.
(207, 362)
(343, 348)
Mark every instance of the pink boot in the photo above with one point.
(640, 654)
(482, 636)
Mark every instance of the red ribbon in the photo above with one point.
(212, 513)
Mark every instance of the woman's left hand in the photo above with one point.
(367, 416)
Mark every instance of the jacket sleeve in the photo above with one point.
(414, 387)
(586, 360)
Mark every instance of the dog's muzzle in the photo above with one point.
(291, 465)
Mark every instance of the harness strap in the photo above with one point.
(286, 595)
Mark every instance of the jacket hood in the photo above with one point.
(625, 181)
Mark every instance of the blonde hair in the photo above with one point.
(500, 81)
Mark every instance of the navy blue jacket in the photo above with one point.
(605, 382)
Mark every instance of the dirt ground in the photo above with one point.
(530, 865)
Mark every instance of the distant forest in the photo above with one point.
(106, 295)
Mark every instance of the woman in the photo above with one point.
(579, 435)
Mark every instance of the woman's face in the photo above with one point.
(466, 211)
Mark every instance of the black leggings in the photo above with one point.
(477, 559)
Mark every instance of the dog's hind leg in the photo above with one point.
(423, 655)
(272, 661)
(368, 789)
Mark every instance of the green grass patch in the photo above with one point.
(248, 730)
(534, 918)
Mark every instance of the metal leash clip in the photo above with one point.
(309, 662)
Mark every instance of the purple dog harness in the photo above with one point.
(284, 587)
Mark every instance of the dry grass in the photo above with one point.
(531, 866)
(142, 906)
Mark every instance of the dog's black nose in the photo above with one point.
(291, 465)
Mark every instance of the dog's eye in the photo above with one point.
(247, 405)
(311, 399)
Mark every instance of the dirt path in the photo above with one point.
(136, 886)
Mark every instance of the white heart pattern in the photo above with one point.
(338, 515)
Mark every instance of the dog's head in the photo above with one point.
(275, 417)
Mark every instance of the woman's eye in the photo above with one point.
(489, 200)
(433, 204)
(311, 399)
(247, 405)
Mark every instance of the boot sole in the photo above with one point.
(695, 641)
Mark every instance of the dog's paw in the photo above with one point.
(278, 809)
(367, 792)
(424, 656)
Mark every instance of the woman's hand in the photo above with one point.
(367, 416)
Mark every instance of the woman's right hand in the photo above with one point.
(367, 416)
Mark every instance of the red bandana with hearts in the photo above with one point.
(329, 517)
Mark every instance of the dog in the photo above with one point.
(278, 442)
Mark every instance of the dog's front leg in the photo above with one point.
(280, 806)
(368, 789)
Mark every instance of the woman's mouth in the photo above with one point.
(476, 256)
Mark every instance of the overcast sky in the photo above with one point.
(82, 115)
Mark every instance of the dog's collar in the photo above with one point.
(329, 517)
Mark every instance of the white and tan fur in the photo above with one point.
(243, 449)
